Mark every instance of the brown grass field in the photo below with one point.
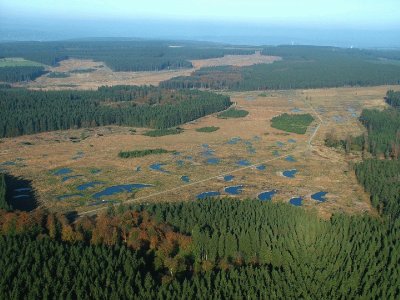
(319, 168)
(103, 75)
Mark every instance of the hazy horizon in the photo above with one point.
(362, 24)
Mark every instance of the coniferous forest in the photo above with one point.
(26, 112)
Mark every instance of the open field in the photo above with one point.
(103, 75)
(18, 62)
(237, 148)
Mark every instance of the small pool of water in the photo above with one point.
(234, 140)
(138, 168)
(296, 110)
(292, 141)
(180, 163)
(185, 178)
(23, 190)
(243, 163)
(88, 185)
(234, 190)
(319, 196)
(275, 153)
(63, 171)
(116, 189)
(67, 196)
(21, 196)
(158, 167)
(296, 201)
(290, 158)
(261, 167)
(266, 196)
(290, 173)
(213, 161)
(66, 178)
(280, 144)
(209, 194)
(8, 163)
(228, 178)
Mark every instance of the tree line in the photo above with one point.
(26, 112)
(301, 68)
(120, 55)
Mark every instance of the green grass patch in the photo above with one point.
(162, 132)
(297, 123)
(18, 62)
(141, 153)
(207, 129)
(233, 113)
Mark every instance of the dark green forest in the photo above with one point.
(26, 112)
(17, 74)
(120, 55)
(381, 177)
(302, 67)
(3, 192)
(219, 249)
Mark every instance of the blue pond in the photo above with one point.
(320, 196)
(296, 110)
(88, 185)
(176, 153)
(243, 162)
(234, 140)
(8, 163)
(158, 167)
(185, 178)
(116, 189)
(290, 158)
(67, 196)
(234, 190)
(228, 178)
(267, 196)
(205, 195)
(138, 168)
(280, 144)
(296, 201)
(213, 161)
(261, 167)
(291, 141)
(208, 152)
(290, 173)
(66, 178)
(180, 163)
(275, 153)
(62, 171)
(189, 157)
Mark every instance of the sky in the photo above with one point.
(358, 13)
(363, 23)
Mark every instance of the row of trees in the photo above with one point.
(119, 55)
(26, 112)
(222, 249)
(3, 192)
